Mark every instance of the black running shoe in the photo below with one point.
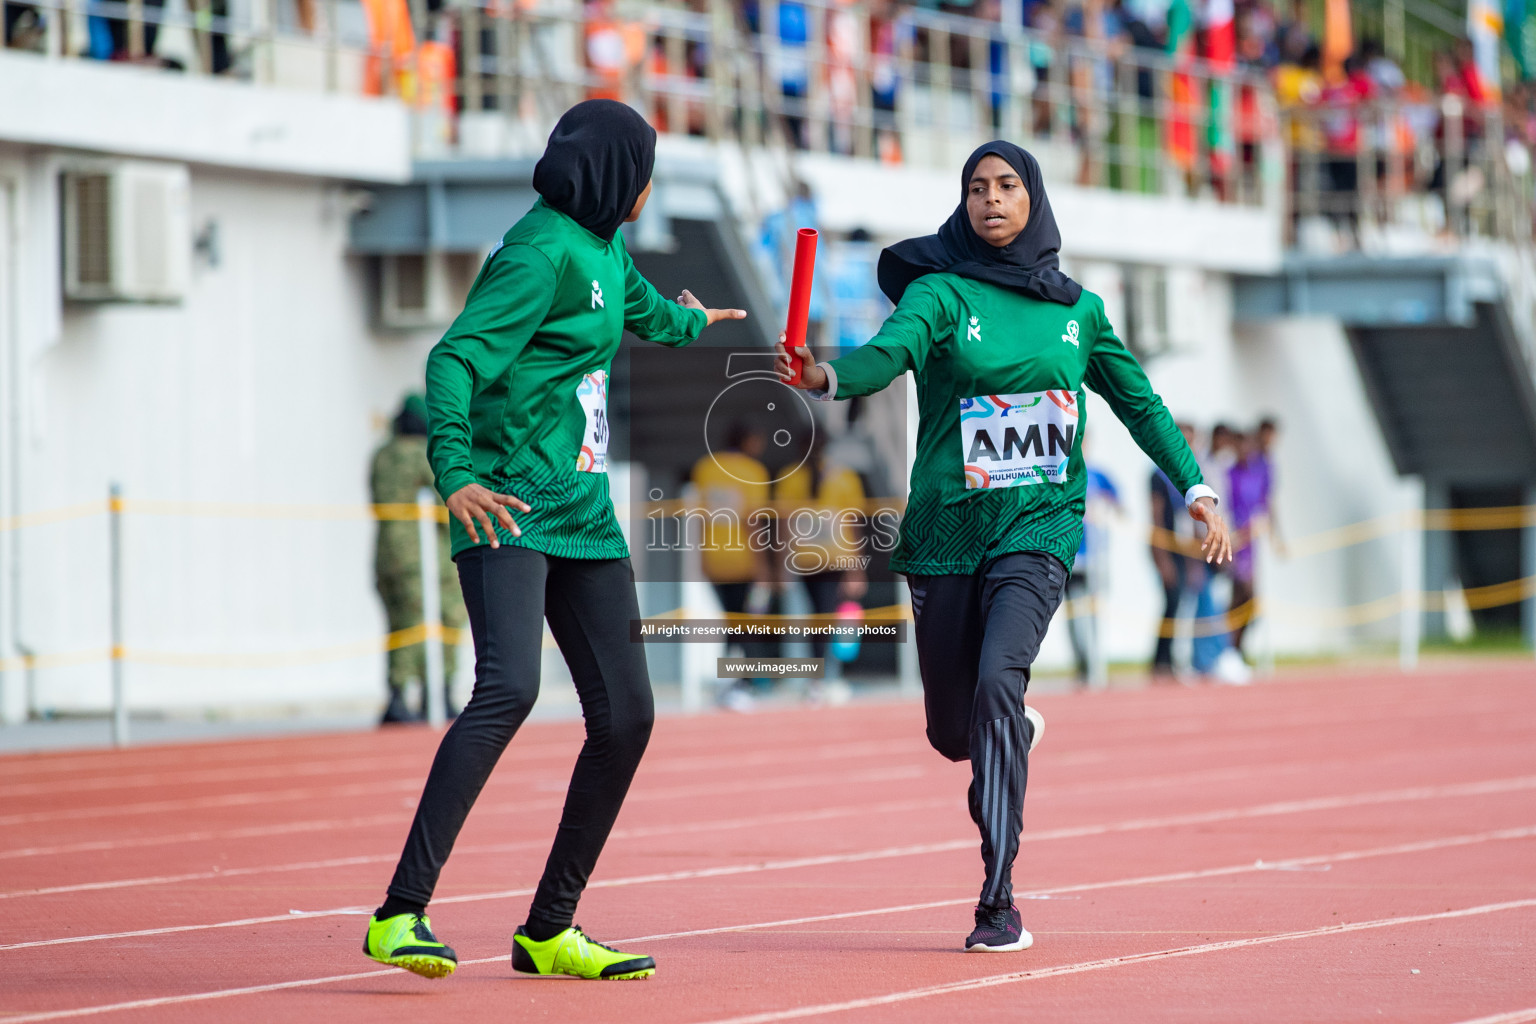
(998, 930)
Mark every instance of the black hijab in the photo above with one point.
(1027, 265)
(597, 163)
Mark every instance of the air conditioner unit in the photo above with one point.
(127, 232)
(424, 289)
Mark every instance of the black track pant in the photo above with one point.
(976, 639)
(508, 593)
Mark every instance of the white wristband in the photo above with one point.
(1197, 492)
(829, 393)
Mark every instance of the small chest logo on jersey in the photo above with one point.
(973, 332)
(1071, 335)
(597, 296)
(1015, 440)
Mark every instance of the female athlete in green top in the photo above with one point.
(517, 406)
(1001, 344)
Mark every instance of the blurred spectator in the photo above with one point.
(843, 58)
(1101, 499)
(400, 470)
(1458, 74)
(25, 28)
(391, 44)
(1213, 655)
(732, 483)
(1258, 35)
(614, 48)
(776, 244)
(821, 513)
(112, 38)
(1247, 501)
(1293, 34)
(884, 78)
(1386, 77)
(1136, 170)
(794, 67)
(857, 305)
(1172, 530)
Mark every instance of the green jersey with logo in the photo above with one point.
(1002, 413)
(517, 389)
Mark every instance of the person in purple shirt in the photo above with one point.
(1248, 483)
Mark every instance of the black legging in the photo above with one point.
(508, 593)
(977, 637)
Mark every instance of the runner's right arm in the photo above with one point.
(506, 305)
(903, 343)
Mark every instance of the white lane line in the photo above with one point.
(684, 763)
(1236, 869)
(210, 802)
(1512, 1017)
(719, 871)
(481, 810)
(1397, 849)
(787, 865)
(723, 824)
(1115, 961)
(518, 759)
(1077, 832)
(505, 807)
(413, 785)
(284, 828)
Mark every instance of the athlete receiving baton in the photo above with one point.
(517, 409)
(1001, 343)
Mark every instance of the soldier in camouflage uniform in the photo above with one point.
(400, 470)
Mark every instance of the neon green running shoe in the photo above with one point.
(406, 940)
(571, 952)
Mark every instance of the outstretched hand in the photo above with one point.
(715, 315)
(1217, 545)
(812, 377)
(473, 503)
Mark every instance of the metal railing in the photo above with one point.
(919, 88)
(1384, 175)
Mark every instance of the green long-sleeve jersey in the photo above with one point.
(1001, 417)
(517, 388)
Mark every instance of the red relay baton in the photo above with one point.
(800, 297)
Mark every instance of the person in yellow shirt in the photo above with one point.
(732, 485)
(821, 519)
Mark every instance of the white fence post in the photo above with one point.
(1411, 612)
(436, 696)
(119, 687)
(1263, 586)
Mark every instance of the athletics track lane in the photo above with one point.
(1367, 800)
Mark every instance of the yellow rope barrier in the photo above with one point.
(56, 515)
(277, 659)
(1477, 598)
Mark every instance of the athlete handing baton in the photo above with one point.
(1001, 343)
(517, 406)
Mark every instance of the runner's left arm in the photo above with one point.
(1116, 375)
(654, 318)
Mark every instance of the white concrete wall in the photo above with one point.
(267, 385)
(147, 112)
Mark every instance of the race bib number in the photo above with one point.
(1014, 440)
(592, 393)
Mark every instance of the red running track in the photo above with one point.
(1322, 848)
